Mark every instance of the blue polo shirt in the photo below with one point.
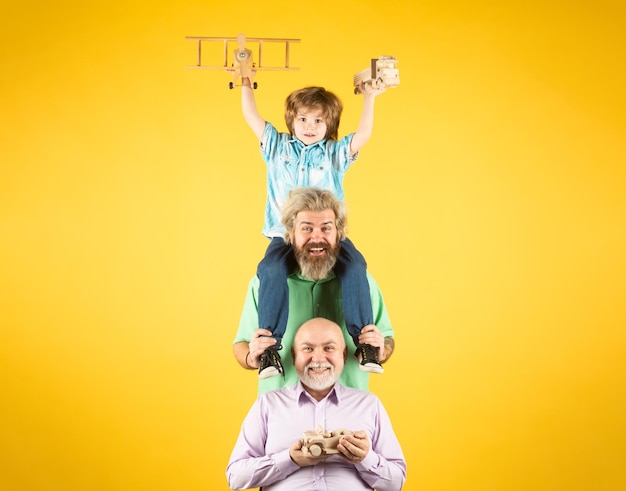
(292, 164)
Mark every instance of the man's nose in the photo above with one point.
(316, 235)
(319, 356)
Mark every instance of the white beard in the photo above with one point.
(319, 382)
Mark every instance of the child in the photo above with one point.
(309, 155)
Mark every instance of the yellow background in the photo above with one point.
(489, 205)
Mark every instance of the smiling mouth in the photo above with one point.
(317, 251)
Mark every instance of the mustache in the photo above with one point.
(317, 365)
(316, 266)
(316, 245)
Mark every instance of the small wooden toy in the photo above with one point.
(382, 73)
(242, 64)
(319, 441)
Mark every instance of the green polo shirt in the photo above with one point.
(309, 299)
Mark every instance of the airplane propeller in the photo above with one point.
(244, 55)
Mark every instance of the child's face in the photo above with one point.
(309, 126)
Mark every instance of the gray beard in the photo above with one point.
(319, 383)
(316, 268)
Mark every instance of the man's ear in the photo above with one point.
(345, 354)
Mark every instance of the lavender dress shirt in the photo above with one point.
(278, 418)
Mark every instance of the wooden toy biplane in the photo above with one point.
(242, 64)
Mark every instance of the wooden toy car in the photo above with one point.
(382, 73)
(318, 442)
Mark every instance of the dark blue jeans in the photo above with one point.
(273, 302)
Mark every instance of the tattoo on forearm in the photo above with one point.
(389, 345)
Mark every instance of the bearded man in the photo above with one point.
(315, 223)
(270, 452)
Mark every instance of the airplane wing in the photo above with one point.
(203, 61)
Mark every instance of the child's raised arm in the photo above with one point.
(250, 113)
(366, 124)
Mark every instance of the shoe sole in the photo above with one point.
(372, 368)
(269, 372)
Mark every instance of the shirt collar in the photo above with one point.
(303, 397)
(295, 141)
(296, 272)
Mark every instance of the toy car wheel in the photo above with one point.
(315, 449)
(231, 85)
(254, 85)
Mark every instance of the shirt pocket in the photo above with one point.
(288, 160)
(319, 174)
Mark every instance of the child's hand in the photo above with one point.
(369, 89)
(247, 81)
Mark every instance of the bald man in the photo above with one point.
(269, 453)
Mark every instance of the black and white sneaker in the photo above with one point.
(367, 355)
(271, 364)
